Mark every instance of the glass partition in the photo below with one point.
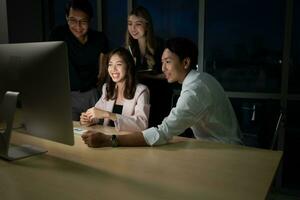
(243, 44)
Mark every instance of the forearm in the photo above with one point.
(111, 116)
(103, 114)
(131, 123)
(97, 139)
(132, 139)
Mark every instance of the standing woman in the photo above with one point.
(124, 103)
(142, 43)
(147, 49)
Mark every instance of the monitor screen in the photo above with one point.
(39, 73)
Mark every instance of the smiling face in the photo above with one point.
(137, 26)
(174, 69)
(117, 69)
(78, 22)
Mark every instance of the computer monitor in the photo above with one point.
(36, 76)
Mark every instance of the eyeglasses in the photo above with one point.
(81, 22)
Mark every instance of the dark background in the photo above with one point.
(244, 42)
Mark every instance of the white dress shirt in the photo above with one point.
(204, 107)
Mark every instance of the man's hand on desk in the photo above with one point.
(96, 139)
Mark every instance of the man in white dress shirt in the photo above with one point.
(202, 106)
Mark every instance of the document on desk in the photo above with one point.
(79, 131)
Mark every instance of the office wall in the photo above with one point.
(173, 18)
(25, 21)
(3, 23)
(114, 18)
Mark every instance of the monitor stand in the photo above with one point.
(9, 151)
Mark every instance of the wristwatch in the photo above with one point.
(114, 141)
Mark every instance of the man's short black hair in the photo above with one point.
(184, 48)
(82, 5)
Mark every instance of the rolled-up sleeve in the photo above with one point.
(153, 137)
(183, 116)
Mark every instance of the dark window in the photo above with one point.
(114, 21)
(243, 43)
(173, 18)
(294, 75)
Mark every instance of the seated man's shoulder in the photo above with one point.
(202, 77)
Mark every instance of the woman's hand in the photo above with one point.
(94, 114)
(84, 120)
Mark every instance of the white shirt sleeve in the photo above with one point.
(203, 106)
(187, 111)
(152, 137)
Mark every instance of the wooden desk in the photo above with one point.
(185, 169)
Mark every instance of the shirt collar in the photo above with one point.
(189, 77)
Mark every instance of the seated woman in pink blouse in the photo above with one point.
(124, 103)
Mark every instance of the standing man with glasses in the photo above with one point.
(86, 49)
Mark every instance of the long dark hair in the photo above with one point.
(130, 75)
(150, 38)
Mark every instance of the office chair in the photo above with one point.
(278, 129)
(277, 183)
